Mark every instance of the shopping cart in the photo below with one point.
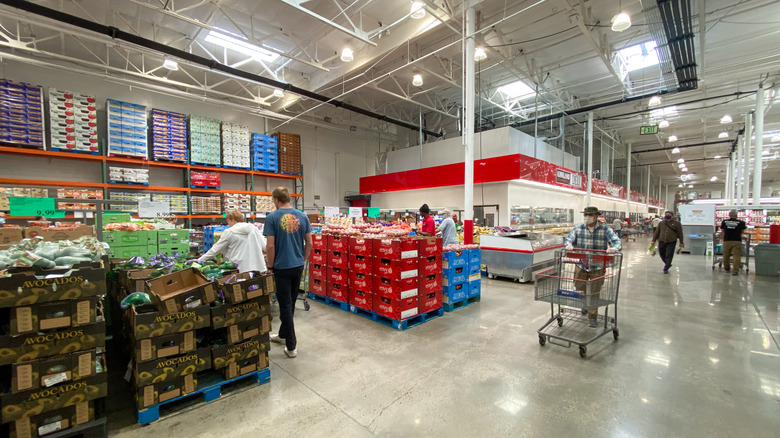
(578, 281)
(303, 288)
(745, 256)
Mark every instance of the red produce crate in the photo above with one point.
(338, 243)
(396, 309)
(338, 292)
(358, 280)
(429, 246)
(319, 241)
(396, 248)
(430, 265)
(318, 256)
(361, 263)
(319, 271)
(338, 259)
(317, 286)
(338, 275)
(430, 301)
(395, 268)
(396, 288)
(362, 299)
(430, 283)
(361, 246)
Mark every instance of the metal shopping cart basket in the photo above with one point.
(745, 255)
(579, 281)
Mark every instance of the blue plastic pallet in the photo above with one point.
(394, 323)
(205, 164)
(330, 301)
(205, 187)
(236, 167)
(131, 183)
(210, 393)
(462, 303)
(74, 151)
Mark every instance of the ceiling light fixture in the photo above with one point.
(676, 150)
(672, 138)
(654, 101)
(690, 186)
(170, 64)
(764, 152)
(714, 178)
(417, 80)
(681, 160)
(621, 22)
(479, 54)
(775, 139)
(418, 10)
(278, 93)
(725, 119)
(723, 134)
(717, 157)
(679, 185)
(232, 41)
(663, 124)
(681, 165)
(347, 55)
(684, 169)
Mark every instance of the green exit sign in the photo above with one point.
(648, 130)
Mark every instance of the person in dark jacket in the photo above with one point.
(666, 234)
(732, 241)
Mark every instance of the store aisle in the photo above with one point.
(698, 355)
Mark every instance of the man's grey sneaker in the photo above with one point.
(275, 338)
(291, 354)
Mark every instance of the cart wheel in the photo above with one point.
(583, 350)
(491, 276)
(560, 321)
(615, 333)
(542, 340)
(306, 305)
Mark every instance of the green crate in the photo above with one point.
(173, 237)
(121, 252)
(182, 249)
(127, 238)
(151, 249)
(116, 218)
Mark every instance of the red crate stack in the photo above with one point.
(361, 279)
(318, 265)
(395, 267)
(338, 268)
(205, 179)
(429, 268)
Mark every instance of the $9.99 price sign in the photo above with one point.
(23, 206)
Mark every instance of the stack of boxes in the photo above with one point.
(396, 278)
(211, 180)
(462, 275)
(337, 262)
(128, 175)
(21, 113)
(206, 204)
(52, 336)
(122, 244)
(178, 203)
(127, 129)
(265, 153)
(128, 196)
(78, 194)
(289, 147)
(211, 234)
(430, 270)
(318, 265)
(237, 201)
(170, 242)
(7, 192)
(205, 141)
(169, 136)
(475, 272)
(361, 278)
(73, 122)
(235, 146)
(264, 204)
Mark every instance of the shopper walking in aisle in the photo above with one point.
(617, 226)
(732, 241)
(655, 222)
(289, 245)
(428, 225)
(447, 229)
(592, 234)
(666, 234)
(242, 244)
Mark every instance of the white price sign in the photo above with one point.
(355, 212)
(331, 211)
(153, 209)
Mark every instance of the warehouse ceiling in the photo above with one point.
(563, 53)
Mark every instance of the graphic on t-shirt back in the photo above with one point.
(290, 223)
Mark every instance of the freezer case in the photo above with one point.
(518, 254)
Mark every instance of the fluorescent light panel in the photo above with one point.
(238, 43)
(639, 56)
(517, 90)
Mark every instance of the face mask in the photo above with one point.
(668, 216)
(590, 220)
(2, 220)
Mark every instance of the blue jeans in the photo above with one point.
(288, 281)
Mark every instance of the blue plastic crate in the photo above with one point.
(454, 276)
(473, 269)
(450, 259)
(475, 256)
(456, 292)
(475, 288)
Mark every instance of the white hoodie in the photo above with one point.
(243, 244)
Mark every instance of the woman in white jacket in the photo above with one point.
(242, 243)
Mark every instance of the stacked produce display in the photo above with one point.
(169, 136)
(127, 129)
(264, 204)
(21, 113)
(210, 180)
(141, 239)
(205, 142)
(239, 201)
(73, 118)
(127, 175)
(52, 337)
(462, 275)
(206, 204)
(178, 203)
(235, 146)
(289, 147)
(265, 153)
(128, 196)
(78, 194)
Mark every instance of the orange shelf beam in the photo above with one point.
(36, 182)
(49, 154)
(150, 188)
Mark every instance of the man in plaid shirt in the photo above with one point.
(592, 235)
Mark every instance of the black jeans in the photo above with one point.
(666, 251)
(288, 281)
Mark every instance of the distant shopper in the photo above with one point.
(666, 234)
(592, 235)
(447, 229)
(428, 226)
(617, 226)
(732, 241)
(289, 245)
(242, 244)
(655, 222)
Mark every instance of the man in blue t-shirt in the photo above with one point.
(289, 244)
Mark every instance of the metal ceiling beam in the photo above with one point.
(354, 33)
(375, 86)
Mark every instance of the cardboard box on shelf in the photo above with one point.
(246, 286)
(53, 315)
(10, 235)
(47, 422)
(30, 285)
(224, 355)
(148, 322)
(152, 394)
(57, 234)
(50, 371)
(229, 314)
(163, 346)
(181, 290)
(35, 401)
(36, 345)
(171, 368)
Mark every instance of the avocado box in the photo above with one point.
(50, 371)
(134, 280)
(31, 286)
(181, 290)
(170, 368)
(46, 423)
(52, 315)
(36, 401)
(164, 346)
(149, 395)
(37, 345)
(233, 334)
(245, 366)
(225, 355)
(148, 322)
(246, 286)
(229, 314)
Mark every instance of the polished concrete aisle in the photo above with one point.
(698, 356)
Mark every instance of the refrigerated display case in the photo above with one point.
(518, 254)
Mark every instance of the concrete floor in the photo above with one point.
(698, 355)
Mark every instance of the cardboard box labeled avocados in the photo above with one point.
(36, 401)
(147, 322)
(33, 346)
(233, 334)
(170, 368)
(149, 395)
(134, 280)
(181, 290)
(246, 366)
(30, 286)
(246, 286)
(49, 371)
(49, 422)
(229, 314)
(164, 346)
(54, 315)
(225, 355)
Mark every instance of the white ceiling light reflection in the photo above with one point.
(667, 340)
(713, 346)
(656, 358)
(714, 360)
(511, 405)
